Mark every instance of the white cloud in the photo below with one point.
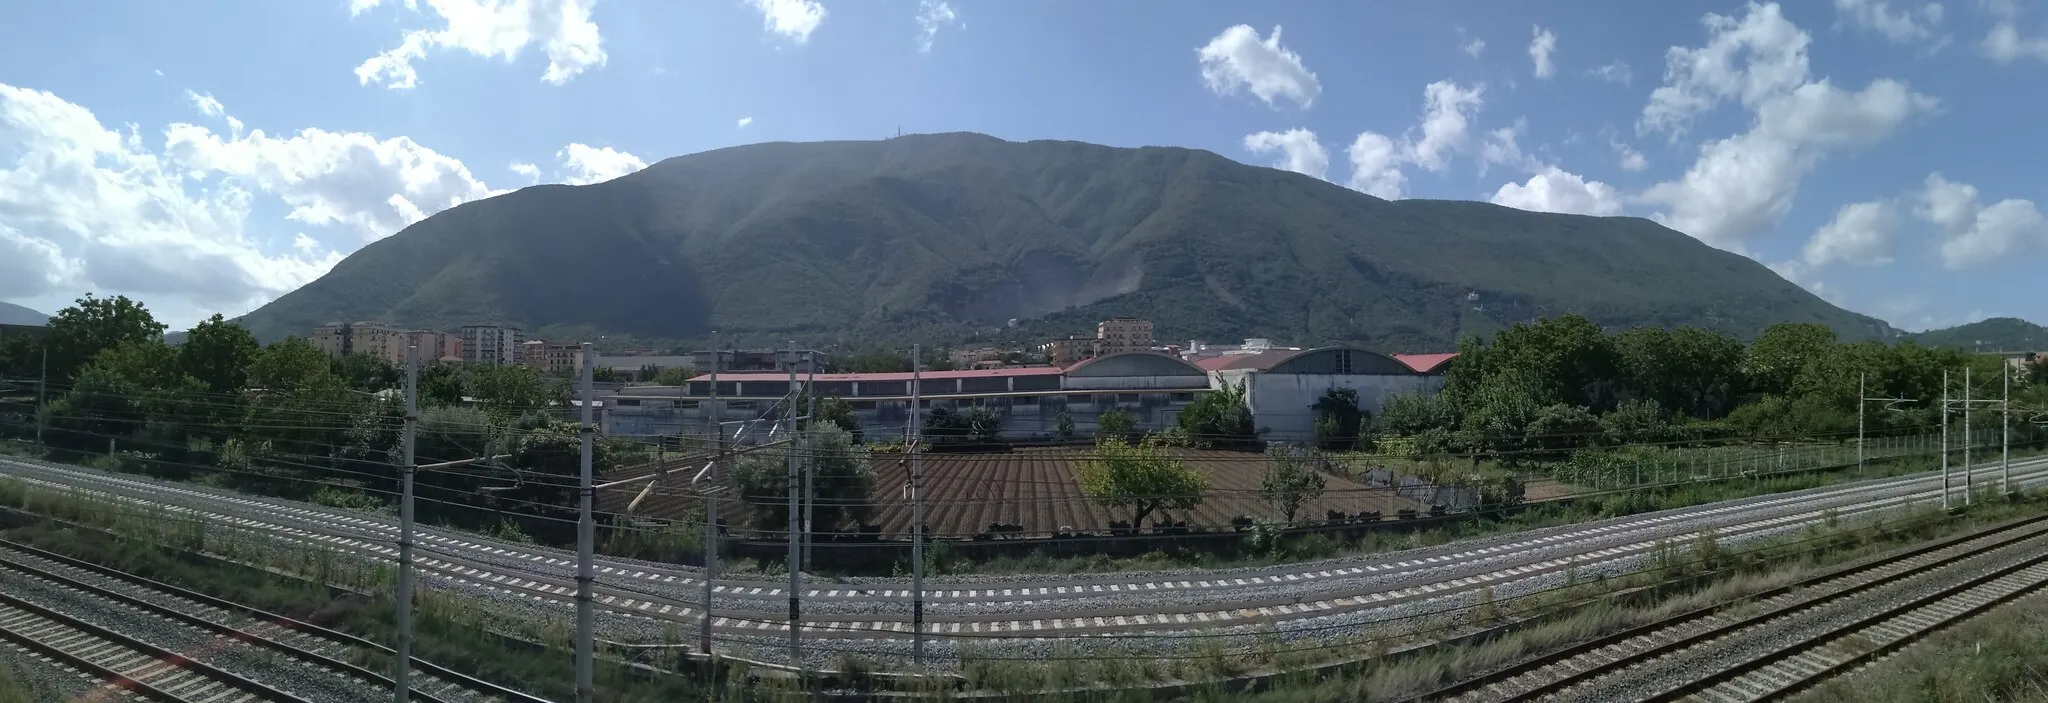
(793, 19)
(525, 170)
(1974, 234)
(90, 208)
(588, 164)
(1554, 190)
(1903, 26)
(2004, 44)
(1616, 72)
(1741, 185)
(1376, 166)
(491, 29)
(1502, 147)
(1447, 111)
(743, 122)
(1238, 59)
(205, 103)
(1543, 43)
(1861, 233)
(1470, 45)
(1299, 151)
(932, 16)
(375, 186)
(1628, 158)
(1749, 59)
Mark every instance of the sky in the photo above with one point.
(1882, 153)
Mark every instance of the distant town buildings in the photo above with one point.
(492, 344)
(1122, 335)
(548, 357)
(804, 360)
(384, 341)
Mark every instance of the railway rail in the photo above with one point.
(128, 665)
(1666, 652)
(991, 609)
(228, 624)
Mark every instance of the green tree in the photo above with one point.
(1114, 422)
(1141, 478)
(1411, 414)
(1221, 419)
(976, 425)
(511, 390)
(218, 353)
(1774, 362)
(368, 373)
(1293, 478)
(1567, 358)
(1500, 410)
(1691, 371)
(842, 478)
(1063, 425)
(1337, 418)
(92, 325)
(297, 404)
(604, 374)
(875, 362)
(1639, 421)
(837, 412)
(1558, 428)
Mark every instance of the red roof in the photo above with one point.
(1424, 363)
(905, 376)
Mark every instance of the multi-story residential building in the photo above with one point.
(552, 358)
(491, 344)
(373, 338)
(1071, 349)
(436, 346)
(1122, 335)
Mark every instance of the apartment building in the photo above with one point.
(384, 341)
(436, 346)
(804, 360)
(1122, 335)
(492, 344)
(551, 358)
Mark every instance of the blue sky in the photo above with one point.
(1881, 152)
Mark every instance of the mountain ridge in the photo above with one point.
(948, 237)
(11, 314)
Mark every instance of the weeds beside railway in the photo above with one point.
(1996, 657)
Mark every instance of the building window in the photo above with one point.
(1343, 362)
(1183, 397)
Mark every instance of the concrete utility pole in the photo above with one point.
(710, 483)
(586, 538)
(42, 397)
(796, 649)
(2005, 437)
(810, 463)
(1969, 472)
(1944, 439)
(916, 511)
(401, 660)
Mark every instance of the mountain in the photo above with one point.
(944, 237)
(11, 314)
(1995, 334)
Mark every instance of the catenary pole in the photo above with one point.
(2005, 437)
(42, 395)
(711, 502)
(1862, 399)
(916, 511)
(810, 462)
(401, 659)
(1944, 439)
(586, 538)
(1969, 472)
(796, 649)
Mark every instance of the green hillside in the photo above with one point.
(11, 314)
(946, 237)
(1995, 334)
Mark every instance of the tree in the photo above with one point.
(368, 373)
(604, 374)
(1568, 358)
(1141, 478)
(1774, 362)
(839, 413)
(875, 362)
(1293, 478)
(1500, 410)
(1063, 425)
(1114, 422)
(1221, 419)
(973, 426)
(297, 403)
(1638, 421)
(1558, 428)
(1691, 371)
(510, 390)
(842, 479)
(218, 353)
(1411, 414)
(92, 325)
(1337, 418)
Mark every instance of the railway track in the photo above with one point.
(1661, 661)
(996, 609)
(220, 626)
(129, 666)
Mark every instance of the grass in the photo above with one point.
(1997, 656)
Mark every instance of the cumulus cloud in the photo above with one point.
(1543, 43)
(1376, 166)
(1554, 190)
(932, 16)
(1298, 149)
(490, 29)
(1741, 185)
(1447, 110)
(92, 208)
(743, 122)
(1472, 46)
(1860, 233)
(2004, 43)
(587, 164)
(1973, 234)
(1502, 146)
(793, 19)
(1906, 25)
(1617, 71)
(1626, 156)
(205, 103)
(525, 170)
(1238, 59)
